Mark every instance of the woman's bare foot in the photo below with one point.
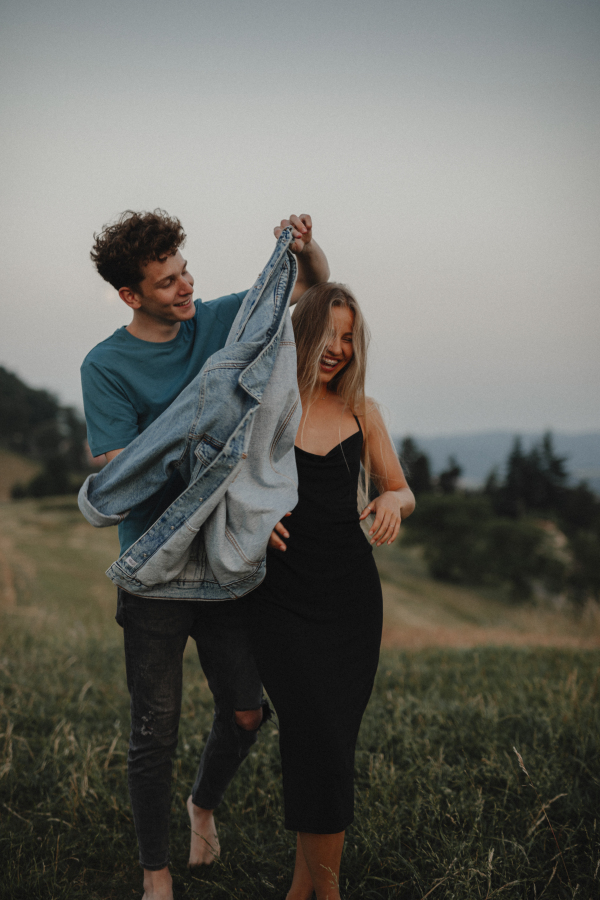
(306, 894)
(205, 846)
(158, 885)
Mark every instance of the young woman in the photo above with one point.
(315, 622)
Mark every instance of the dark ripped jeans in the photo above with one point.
(156, 632)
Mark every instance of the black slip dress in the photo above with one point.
(315, 625)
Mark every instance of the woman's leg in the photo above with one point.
(318, 858)
(302, 884)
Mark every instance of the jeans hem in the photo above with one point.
(155, 868)
(208, 805)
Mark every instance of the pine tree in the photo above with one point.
(416, 466)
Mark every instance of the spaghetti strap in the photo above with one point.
(358, 423)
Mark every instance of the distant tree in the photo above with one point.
(55, 479)
(450, 530)
(74, 445)
(27, 416)
(519, 555)
(463, 541)
(416, 466)
(534, 482)
(492, 484)
(584, 576)
(34, 424)
(502, 535)
(579, 508)
(448, 479)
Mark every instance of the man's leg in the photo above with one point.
(155, 633)
(229, 666)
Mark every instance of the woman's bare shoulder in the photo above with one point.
(370, 411)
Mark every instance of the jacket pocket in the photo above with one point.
(208, 449)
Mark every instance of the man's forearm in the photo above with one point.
(313, 268)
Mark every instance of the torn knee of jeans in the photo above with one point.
(253, 719)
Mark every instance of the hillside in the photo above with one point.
(52, 565)
(442, 804)
(39, 439)
(421, 612)
(14, 469)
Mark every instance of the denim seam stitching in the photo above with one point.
(232, 540)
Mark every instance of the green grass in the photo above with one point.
(443, 808)
(438, 784)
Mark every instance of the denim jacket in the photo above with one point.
(231, 434)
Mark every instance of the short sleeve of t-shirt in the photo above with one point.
(111, 419)
(127, 383)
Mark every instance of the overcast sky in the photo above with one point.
(448, 153)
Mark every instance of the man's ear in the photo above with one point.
(129, 297)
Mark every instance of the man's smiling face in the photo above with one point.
(166, 291)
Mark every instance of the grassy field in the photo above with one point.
(420, 612)
(444, 809)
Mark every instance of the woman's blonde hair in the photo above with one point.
(313, 330)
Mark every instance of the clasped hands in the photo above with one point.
(301, 231)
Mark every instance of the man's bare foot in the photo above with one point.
(158, 885)
(205, 846)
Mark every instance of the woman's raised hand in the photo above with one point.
(388, 516)
(275, 541)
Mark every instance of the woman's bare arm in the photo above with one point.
(396, 501)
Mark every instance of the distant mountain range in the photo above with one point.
(478, 454)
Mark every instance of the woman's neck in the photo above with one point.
(320, 393)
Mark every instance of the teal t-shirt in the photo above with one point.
(127, 383)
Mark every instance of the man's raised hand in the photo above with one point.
(301, 231)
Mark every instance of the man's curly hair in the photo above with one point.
(121, 249)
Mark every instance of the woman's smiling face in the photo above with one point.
(339, 348)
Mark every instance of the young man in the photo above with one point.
(128, 381)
